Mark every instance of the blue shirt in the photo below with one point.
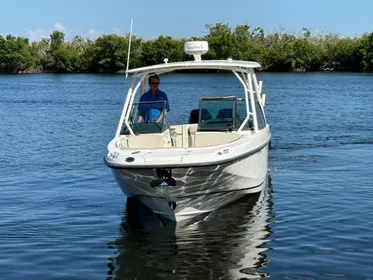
(151, 112)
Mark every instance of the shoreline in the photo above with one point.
(37, 71)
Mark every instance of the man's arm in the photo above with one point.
(161, 115)
(164, 112)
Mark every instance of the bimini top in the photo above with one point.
(229, 64)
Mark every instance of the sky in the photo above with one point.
(181, 19)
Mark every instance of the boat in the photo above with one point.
(218, 155)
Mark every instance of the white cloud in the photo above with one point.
(70, 33)
(36, 34)
(39, 33)
(58, 26)
(117, 31)
(92, 34)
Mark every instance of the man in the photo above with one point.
(153, 112)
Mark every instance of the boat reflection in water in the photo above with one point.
(227, 244)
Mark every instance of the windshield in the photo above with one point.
(143, 117)
(216, 114)
(223, 113)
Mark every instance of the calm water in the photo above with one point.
(64, 217)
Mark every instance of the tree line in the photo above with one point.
(277, 51)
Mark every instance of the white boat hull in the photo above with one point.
(199, 189)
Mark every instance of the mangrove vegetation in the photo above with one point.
(277, 51)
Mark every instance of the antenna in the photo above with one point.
(129, 48)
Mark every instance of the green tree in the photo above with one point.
(57, 40)
(59, 53)
(365, 51)
(241, 41)
(306, 56)
(2, 54)
(155, 51)
(279, 51)
(65, 60)
(41, 53)
(342, 54)
(220, 39)
(77, 51)
(248, 45)
(17, 55)
(279, 54)
(109, 53)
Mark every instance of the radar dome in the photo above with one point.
(196, 48)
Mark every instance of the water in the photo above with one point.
(64, 217)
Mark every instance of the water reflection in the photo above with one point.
(227, 244)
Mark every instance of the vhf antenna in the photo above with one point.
(129, 49)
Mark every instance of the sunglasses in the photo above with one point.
(155, 83)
